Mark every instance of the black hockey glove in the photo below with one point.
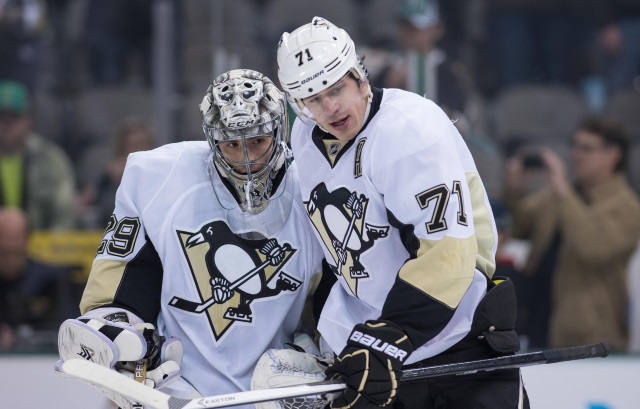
(371, 365)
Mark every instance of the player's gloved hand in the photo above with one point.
(117, 339)
(371, 365)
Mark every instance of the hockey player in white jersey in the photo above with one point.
(401, 213)
(208, 257)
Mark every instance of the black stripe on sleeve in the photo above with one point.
(141, 285)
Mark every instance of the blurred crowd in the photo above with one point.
(546, 94)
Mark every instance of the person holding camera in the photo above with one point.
(582, 234)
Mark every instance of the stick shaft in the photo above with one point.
(511, 361)
(140, 375)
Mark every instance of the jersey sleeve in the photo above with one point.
(436, 200)
(127, 270)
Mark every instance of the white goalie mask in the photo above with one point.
(314, 57)
(245, 121)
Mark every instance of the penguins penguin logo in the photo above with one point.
(231, 272)
(339, 217)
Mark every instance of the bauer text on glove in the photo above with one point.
(371, 365)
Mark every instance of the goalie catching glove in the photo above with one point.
(288, 367)
(293, 366)
(371, 365)
(118, 339)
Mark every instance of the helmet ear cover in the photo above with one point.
(240, 105)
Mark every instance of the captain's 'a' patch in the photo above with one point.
(339, 217)
(231, 272)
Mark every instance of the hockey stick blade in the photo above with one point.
(104, 378)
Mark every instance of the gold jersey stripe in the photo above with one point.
(103, 283)
(443, 268)
(485, 233)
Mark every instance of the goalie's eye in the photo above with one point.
(248, 94)
(227, 96)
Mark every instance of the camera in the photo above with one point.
(532, 160)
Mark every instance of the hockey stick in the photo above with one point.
(105, 378)
(550, 356)
(140, 375)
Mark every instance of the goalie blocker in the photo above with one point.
(119, 340)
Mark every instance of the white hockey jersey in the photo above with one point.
(404, 221)
(168, 248)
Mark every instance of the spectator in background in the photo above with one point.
(35, 174)
(423, 67)
(582, 236)
(618, 36)
(131, 135)
(31, 294)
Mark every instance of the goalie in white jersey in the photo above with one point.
(399, 208)
(208, 257)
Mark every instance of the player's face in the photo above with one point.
(591, 157)
(13, 130)
(340, 108)
(256, 150)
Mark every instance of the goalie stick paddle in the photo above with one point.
(105, 378)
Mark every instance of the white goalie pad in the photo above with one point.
(287, 367)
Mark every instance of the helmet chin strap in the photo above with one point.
(368, 108)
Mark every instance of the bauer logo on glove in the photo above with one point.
(371, 365)
(378, 345)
